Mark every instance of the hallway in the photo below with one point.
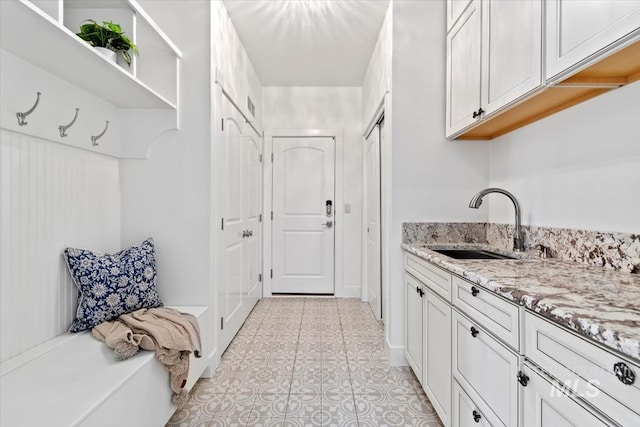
(308, 362)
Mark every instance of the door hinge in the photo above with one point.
(271, 215)
(272, 274)
(260, 218)
(222, 120)
(260, 158)
(222, 323)
(222, 223)
(260, 277)
(271, 157)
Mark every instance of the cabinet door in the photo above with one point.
(413, 327)
(455, 8)
(487, 371)
(436, 367)
(465, 412)
(511, 51)
(577, 29)
(463, 70)
(545, 405)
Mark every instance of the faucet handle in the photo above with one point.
(545, 251)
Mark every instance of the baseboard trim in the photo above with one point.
(351, 292)
(396, 354)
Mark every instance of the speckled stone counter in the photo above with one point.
(600, 304)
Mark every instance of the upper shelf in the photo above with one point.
(55, 48)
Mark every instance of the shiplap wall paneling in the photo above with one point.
(51, 196)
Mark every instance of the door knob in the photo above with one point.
(328, 224)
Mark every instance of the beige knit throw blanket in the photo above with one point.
(171, 334)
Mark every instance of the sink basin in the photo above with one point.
(471, 254)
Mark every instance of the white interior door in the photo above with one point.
(239, 245)
(230, 292)
(303, 224)
(373, 258)
(252, 195)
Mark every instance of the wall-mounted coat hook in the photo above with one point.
(94, 139)
(22, 116)
(63, 128)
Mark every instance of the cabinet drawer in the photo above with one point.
(487, 370)
(465, 411)
(584, 367)
(547, 405)
(435, 278)
(498, 316)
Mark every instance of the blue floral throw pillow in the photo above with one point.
(111, 285)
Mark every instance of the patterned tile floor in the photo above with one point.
(308, 362)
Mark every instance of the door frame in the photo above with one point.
(267, 200)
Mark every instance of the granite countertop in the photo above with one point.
(602, 305)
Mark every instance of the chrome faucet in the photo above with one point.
(476, 201)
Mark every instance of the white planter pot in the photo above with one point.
(109, 54)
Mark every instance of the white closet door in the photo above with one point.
(230, 292)
(372, 148)
(252, 195)
(303, 230)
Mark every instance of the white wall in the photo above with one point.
(377, 78)
(231, 64)
(579, 168)
(432, 179)
(167, 196)
(329, 108)
(52, 196)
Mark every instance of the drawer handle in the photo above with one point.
(476, 416)
(523, 378)
(475, 291)
(474, 331)
(624, 373)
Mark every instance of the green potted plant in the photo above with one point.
(108, 36)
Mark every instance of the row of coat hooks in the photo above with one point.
(62, 128)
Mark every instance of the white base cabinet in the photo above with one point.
(465, 411)
(469, 356)
(545, 405)
(413, 326)
(487, 370)
(436, 366)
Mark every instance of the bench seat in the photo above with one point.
(74, 380)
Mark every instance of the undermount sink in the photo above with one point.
(471, 254)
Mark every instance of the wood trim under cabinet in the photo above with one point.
(618, 69)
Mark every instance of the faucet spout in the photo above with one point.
(476, 201)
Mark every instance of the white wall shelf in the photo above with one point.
(35, 36)
(144, 96)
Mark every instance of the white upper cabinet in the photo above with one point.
(511, 51)
(464, 63)
(531, 51)
(455, 8)
(578, 29)
(494, 55)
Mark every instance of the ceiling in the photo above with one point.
(308, 42)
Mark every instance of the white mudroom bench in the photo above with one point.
(74, 380)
